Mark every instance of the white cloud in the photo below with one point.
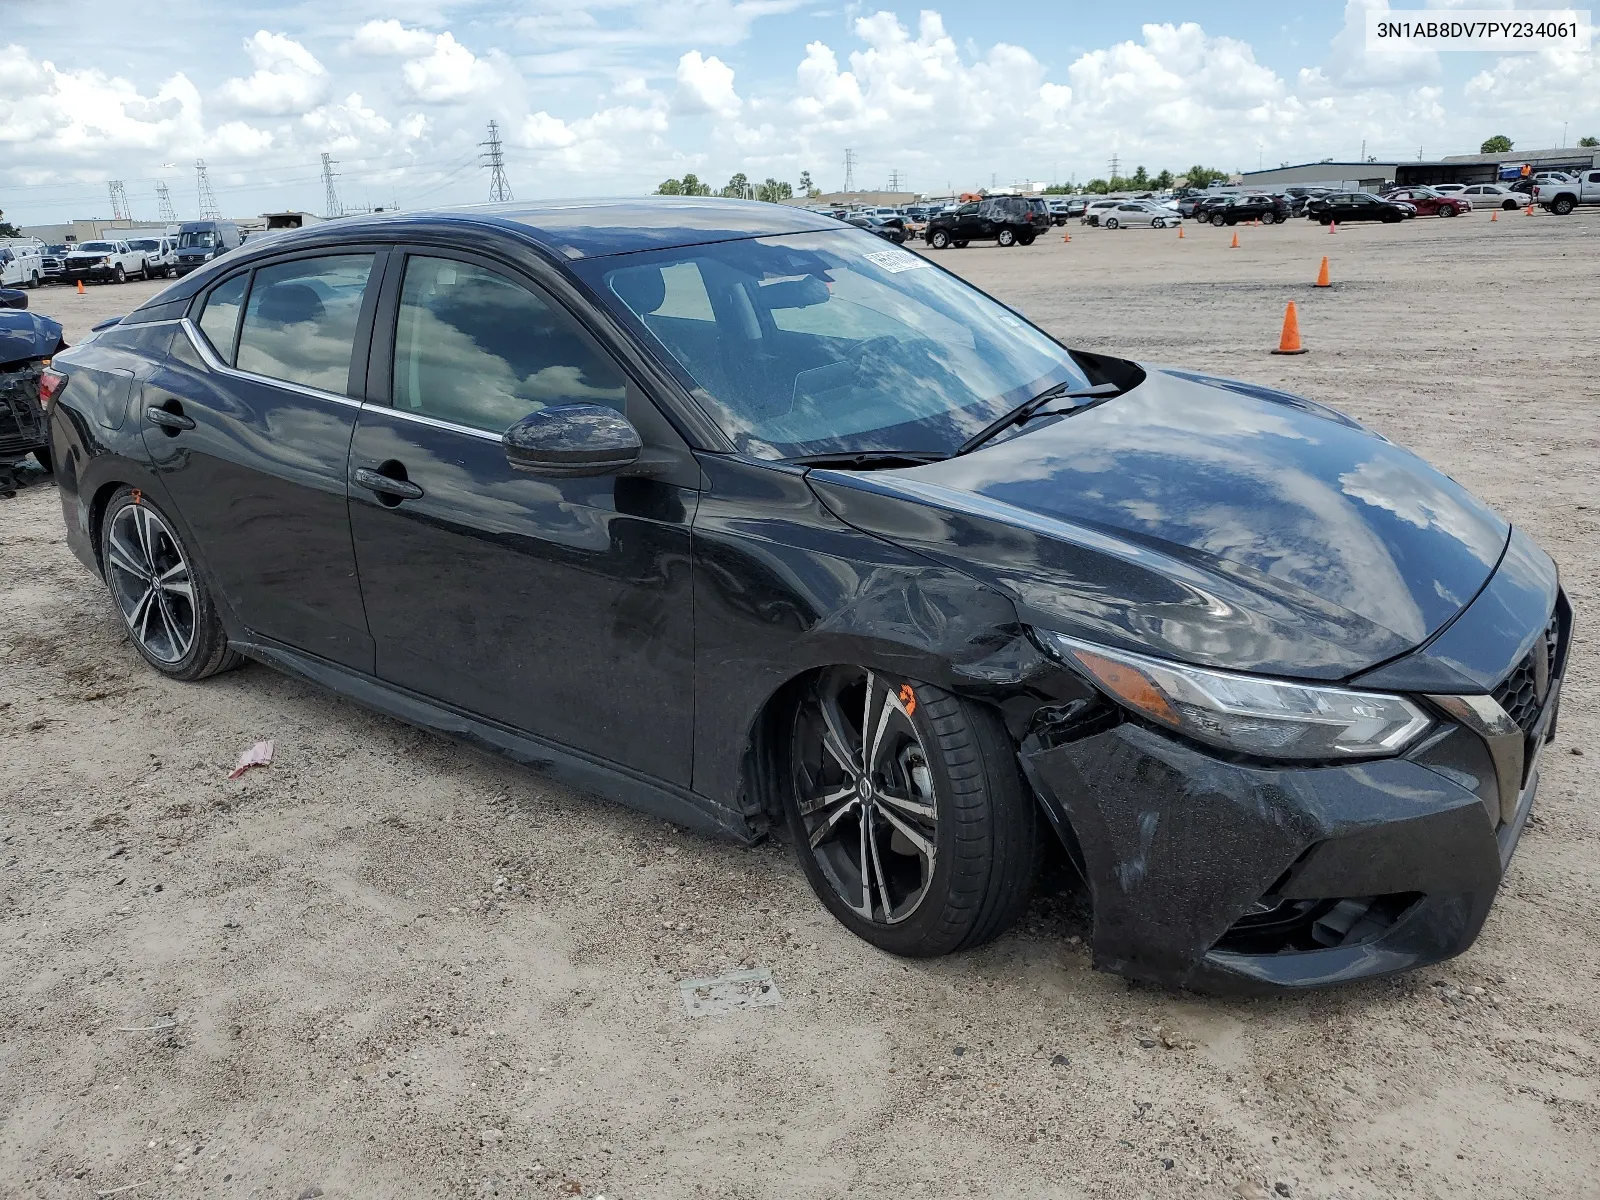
(390, 39)
(705, 85)
(449, 74)
(288, 79)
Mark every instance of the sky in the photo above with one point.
(609, 97)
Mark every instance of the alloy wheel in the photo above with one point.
(865, 794)
(151, 582)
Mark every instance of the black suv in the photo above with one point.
(1257, 207)
(1009, 220)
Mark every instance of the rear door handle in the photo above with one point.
(168, 419)
(375, 482)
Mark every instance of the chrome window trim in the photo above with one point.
(209, 357)
(436, 423)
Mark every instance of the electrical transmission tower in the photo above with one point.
(849, 170)
(1116, 166)
(494, 158)
(330, 196)
(119, 201)
(208, 199)
(895, 181)
(164, 210)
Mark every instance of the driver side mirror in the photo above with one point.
(572, 439)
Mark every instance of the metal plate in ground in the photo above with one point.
(727, 993)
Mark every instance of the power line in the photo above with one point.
(164, 209)
(494, 157)
(208, 198)
(119, 201)
(330, 197)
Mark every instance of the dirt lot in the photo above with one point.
(388, 966)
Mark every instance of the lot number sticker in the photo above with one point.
(895, 261)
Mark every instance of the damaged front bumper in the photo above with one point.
(22, 423)
(1238, 878)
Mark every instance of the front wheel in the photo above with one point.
(1006, 238)
(119, 275)
(1448, 210)
(1219, 220)
(1510, 205)
(1110, 222)
(938, 239)
(912, 822)
(1159, 223)
(163, 601)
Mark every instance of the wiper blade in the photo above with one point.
(1030, 408)
(866, 460)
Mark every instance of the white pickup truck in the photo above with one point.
(1562, 196)
(104, 260)
(160, 253)
(21, 262)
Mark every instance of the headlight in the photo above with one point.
(105, 261)
(1265, 717)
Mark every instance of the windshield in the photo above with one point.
(144, 245)
(97, 247)
(831, 342)
(204, 239)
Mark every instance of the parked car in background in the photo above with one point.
(1076, 205)
(160, 254)
(54, 261)
(201, 241)
(1093, 210)
(1489, 195)
(1058, 210)
(890, 228)
(28, 342)
(1189, 205)
(1008, 220)
(1353, 206)
(1298, 197)
(883, 562)
(1430, 203)
(21, 264)
(1561, 197)
(105, 262)
(1256, 206)
(1138, 212)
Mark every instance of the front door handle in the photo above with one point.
(373, 481)
(168, 419)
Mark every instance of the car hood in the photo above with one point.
(1201, 519)
(26, 335)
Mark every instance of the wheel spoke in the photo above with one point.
(866, 873)
(890, 703)
(866, 726)
(832, 819)
(834, 739)
(877, 869)
(175, 581)
(923, 845)
(141, 524)
(811, 804)
(124, 559)
(140, 621)
(914, 807)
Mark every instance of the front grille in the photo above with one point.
(1518, 693)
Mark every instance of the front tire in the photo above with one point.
(1110, 223)
(163, 601)
(1219, 220)
(938, 239)
(910, 817)
(119, 276)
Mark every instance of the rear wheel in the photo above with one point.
(1026, 240)
(912, 822)
(938, 239)
(959, 245)
(162, 600)
(1006, 238)
(1561, 205)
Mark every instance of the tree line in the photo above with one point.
(739, 188)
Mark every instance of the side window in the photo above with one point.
(300, 325)
(475, 348)
(219, 319)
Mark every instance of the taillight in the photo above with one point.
(51, 382)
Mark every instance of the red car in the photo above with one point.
(1430, 203)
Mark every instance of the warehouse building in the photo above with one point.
(1337, 176)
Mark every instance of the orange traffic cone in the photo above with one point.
(1322, 275)
(1180, 233)
(1066, 237)
(1529, 211)
(1289, 341)
(80, 287)
(1494, 216)
(1235, 245)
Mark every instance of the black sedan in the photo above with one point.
(1254, 207)
(750, 520)
(1356, 206)
(890, 229)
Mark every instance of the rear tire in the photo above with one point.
(938, 851)
(959, 245)
(1219, 220)
(1561, 205)
(159, 593)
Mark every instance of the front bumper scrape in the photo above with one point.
(1179, 847)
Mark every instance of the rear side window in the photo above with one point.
(478, 349)
(219, 319)
(300, 325)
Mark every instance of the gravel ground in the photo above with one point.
(387, 965)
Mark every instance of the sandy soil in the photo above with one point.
(390, 966)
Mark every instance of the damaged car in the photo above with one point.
(755, 523)
(28, 342)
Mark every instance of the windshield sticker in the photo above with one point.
(895, 261)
